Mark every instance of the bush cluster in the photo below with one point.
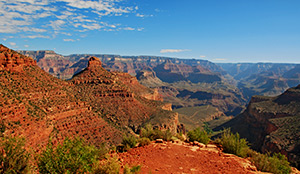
(72, 156)
(153, 134)
(129, 141)
(276, 163)
(232, 143)
(110, 165)
(132, 170)
(144, 141)
(199, 135)
(180, 136)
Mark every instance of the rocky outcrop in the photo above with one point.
(272, 124)
(12, 61)
(121, 98)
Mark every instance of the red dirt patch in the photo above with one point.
(180, 158)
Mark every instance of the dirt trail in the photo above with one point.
(182, 158)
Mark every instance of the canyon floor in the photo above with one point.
(180, 157)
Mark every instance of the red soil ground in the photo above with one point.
(181, 158)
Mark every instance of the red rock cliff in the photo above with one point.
(13, 61)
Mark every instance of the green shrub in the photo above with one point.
(180, 136)
(72, 156)
(198, 135)
(129, 141)
(147, 131)
(232, 143)
(132, 170)
(167, 135)
(14, 158)
(110, 165)
(144, 141)
(153, 134)
(207, 129)
(277, 163)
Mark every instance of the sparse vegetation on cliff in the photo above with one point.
(14, 158)
(232, 143)
(276, 163)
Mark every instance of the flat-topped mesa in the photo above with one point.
(13, 61)
(94, 62)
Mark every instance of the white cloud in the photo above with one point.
(202, 56)
(36, 36)
(172, 50)
(143, 15)
(92, 26)
(38, 30)
(65, 33)
(30, 17)
(102, 8)
(69, 40)
(26, 46)
(140, 15)
(56, 25)
(12, 43)
(128, 28)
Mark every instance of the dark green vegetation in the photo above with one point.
(144, 141)
(72, 156)
(129, 141)
(198, 135)
(276, 163)
(153, 134)
(232, 143)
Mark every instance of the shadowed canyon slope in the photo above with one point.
(272, 124)
(96, 105)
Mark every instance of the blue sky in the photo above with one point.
(215, 30)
